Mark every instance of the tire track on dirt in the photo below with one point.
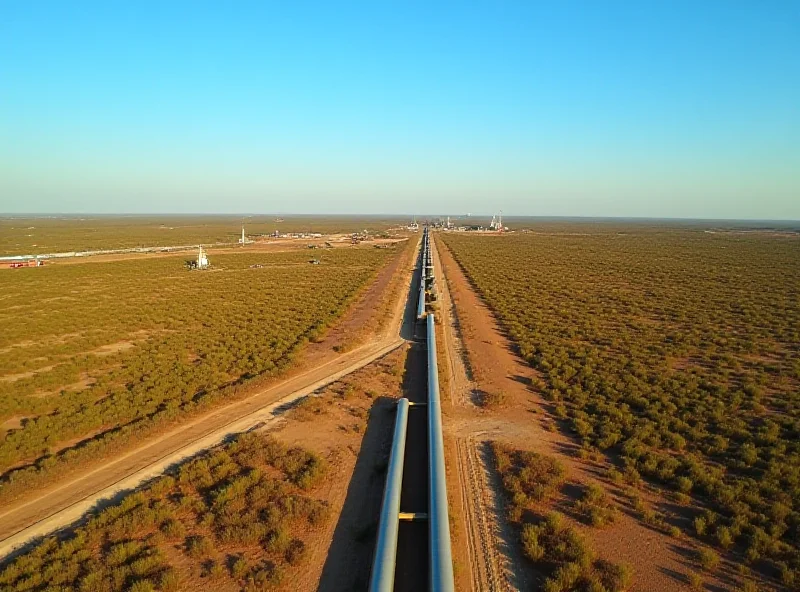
(479, 512)
(462, 387)
(485, 573)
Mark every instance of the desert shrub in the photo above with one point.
(565, 578)
(309, 408)
(142, 586)
(559, 542)
(232, 494)
(173, 529)
(264, 577)
(151, 360)
(548, 540)
(295, 551)
(239, 567)
(121, 553)
(169, 581)
(595, 507)
(695, 581)
(614, 577)
(493, 399)
(708, 559)
(199, 546)
(724, 537)
(278, 542)
(301, 467)
(94, 581)
(528, 477)
(561, 549)
(661, 345)
(615, 476)
(700, 525)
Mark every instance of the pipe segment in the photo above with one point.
(441, 556)
(385, 560)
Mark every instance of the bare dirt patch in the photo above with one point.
(21, 375)
(113, 348)
(371, 312)
(13, 423)
(85, 382)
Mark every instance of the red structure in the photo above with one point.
(28, 263)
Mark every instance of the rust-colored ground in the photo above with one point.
(350, 424)
(480, 359)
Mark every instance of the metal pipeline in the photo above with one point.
(441, 557)
(428, 262)
(385, 560)
(422, 280)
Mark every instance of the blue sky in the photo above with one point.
(675, 109)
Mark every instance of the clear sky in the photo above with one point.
(655, 108)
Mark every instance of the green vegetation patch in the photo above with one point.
(240, 512)
(674, 348)
(555, 548)
(528, 477)
(595, 506)
(96, 353)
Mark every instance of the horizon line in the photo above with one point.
(6, 215)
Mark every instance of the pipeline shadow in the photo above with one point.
(349, 560)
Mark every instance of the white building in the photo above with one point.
(202, 259)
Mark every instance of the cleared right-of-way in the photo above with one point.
(413, 550)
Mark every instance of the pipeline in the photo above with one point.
(440, 560)
(426, 274)
(441, 557)
(384, 562)
(421, 301)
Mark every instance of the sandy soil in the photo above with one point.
(353, 431)
(13, 423)
(21, 375)
(482, 360)
(113, 348)
(65, 501)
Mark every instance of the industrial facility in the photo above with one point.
(36, 262)
(201, 262)
(496, 225)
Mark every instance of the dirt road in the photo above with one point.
(67, 502)
(477, 499)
